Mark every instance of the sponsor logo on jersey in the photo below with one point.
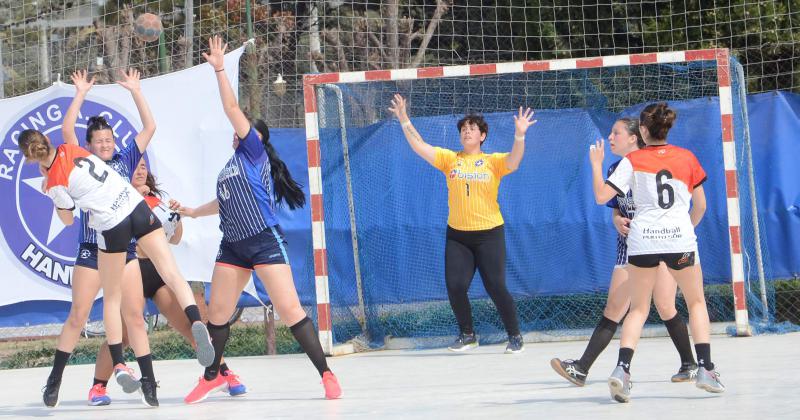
(479, 163)
(31, 228)
(468, 176)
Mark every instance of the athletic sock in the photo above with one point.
(602, 335)
(680, 338)
(704, 355)
(146, 367)
(116, 353)
(223, 369)
(625, 357)
(100, 381)
(219, 336)
(59, 363)
(192, 312)
(305, 334)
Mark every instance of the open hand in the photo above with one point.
(81, 81)
(216, 52)
(522, 121)
(129, 80)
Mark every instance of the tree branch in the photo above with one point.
(441, 7)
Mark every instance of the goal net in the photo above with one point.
(380, 211)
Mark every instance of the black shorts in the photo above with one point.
(151, 280)
(139, 223)
(265, 248)
(676, 261)
(87, 255)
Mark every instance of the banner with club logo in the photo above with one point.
(192, 141)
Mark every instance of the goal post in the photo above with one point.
(336, 124)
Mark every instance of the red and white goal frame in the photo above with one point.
(720, 55)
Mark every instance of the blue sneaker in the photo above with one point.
(235, 388)
(97, 396)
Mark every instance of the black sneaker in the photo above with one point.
(148, 391)
(464, 342)
(50, 392)
(515, 344)
(570, 370)
(686, 373)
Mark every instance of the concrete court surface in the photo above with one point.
(761, 374)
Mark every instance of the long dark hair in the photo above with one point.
(287, 190)
(96, 123)
(150, 181)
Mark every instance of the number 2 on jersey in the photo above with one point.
(662, 187)
(100, 177)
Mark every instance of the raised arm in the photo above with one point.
(602, 191)
(130, 81)
(82, 87)
(207, 209)
(698, 205)
(418, 145)
(522, 122)
(216, 57)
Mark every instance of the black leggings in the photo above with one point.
(485, 250)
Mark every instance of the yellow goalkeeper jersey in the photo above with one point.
(472, 185)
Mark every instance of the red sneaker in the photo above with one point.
(332, 389)
(97, 396)
(204, 388)
(235, 388)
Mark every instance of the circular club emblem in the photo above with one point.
(30, 225)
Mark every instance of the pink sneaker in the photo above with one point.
(97, 396)
(126, 379)
(235, 388)
(332, 389)
(204, 388)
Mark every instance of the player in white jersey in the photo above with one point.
(153, 285)
(665, 180)
(625, 138)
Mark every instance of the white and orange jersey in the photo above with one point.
(662, 179)
(169, 218)
(79, 178)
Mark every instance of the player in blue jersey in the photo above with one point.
(86, 279)
(625, 138)
(249, 188)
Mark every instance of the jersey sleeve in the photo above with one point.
(443, 159)
(61, 198)
(130, 157)
(622, 177)
(613, 203)
(499, 165)
(698, 173)
(252, 147)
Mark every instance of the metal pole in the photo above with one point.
(362, 315)
(314, 43)
(44, 59)
(248, 13)
(188, 31)
(751, 184)
(163, 64)
(2, 73)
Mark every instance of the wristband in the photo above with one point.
(519, 138)
(217, 71)
(406, 124)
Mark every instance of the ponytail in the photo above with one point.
(287, 190)
(34, 145)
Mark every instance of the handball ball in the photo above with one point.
(148, 27)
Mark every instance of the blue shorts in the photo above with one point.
(265, 248)
(87, 255)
